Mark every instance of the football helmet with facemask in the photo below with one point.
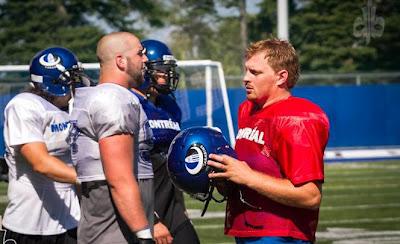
(160, 62)
(187, 160)
(55, 70)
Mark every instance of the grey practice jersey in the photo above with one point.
(105, 110)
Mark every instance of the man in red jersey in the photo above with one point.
(280, 146)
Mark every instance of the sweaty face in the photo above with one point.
(259, 79)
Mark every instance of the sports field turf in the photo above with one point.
(361, 204)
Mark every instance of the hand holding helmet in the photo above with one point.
(188, 156)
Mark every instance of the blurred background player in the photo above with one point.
(172, 224)
(43, 206)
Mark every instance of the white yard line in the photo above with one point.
(365, 194)
(195, 213)
(365, 186)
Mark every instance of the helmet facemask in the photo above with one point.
(166, 69)
(74, 77)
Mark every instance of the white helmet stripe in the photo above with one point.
(37, 78)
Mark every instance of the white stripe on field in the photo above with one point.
(365, 194)
(195, 213)
(363, 206)
(361, 178)
(366, 186)
(358, 220)
(342, 221)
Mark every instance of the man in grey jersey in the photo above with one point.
(107, 128)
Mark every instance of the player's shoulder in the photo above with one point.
(295, 106)
(107, 94)
(27, 100)
(303, 104)
(301, 109)
(168, 103)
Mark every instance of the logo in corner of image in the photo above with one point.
(3, 239)
(196, 159)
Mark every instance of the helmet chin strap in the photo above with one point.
(211, 196)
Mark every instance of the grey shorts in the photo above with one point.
(100, 222)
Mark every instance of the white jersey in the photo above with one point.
(37, 205)
(105, 110)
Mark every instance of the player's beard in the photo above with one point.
(135, 74)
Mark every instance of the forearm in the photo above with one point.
(283, 191)
(126, 196)
(56, 170)
(117, 159)
(42, 162)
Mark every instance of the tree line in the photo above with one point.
(330, 35)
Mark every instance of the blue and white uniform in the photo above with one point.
(164, 119)
(53, 207)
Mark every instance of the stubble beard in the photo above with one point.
(136, 75)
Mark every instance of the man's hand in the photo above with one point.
(229, 168)
(161, 234)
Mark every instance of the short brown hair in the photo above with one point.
(281, 55)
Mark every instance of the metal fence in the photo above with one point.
(334, 79)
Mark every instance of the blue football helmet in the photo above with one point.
(161, 62)
(188, 156)
(55, 69)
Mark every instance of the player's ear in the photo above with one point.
(120, 61)
(281, 77)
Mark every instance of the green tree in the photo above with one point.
(27, 26)
(323, 33)
(192, 31)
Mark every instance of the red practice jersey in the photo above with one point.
(287, 140)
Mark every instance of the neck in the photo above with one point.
(271, 100)
(138, 92)
(109, 75)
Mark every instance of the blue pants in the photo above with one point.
(269, 240)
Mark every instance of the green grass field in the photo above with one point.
(361, 204)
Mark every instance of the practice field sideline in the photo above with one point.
(361, 204)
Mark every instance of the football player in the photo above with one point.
(43, 206)
(156, 95)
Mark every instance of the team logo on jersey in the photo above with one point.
(73, 135)
(196, 159)
(49, 60)
(58, 127)
(251, 134)
(164, 124)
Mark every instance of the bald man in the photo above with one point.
(106, 124)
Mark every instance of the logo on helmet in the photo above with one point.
(196, 159)
(49, 60)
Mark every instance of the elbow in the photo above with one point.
(313, 202)
(40, 168)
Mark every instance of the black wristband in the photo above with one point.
(156, 218)
(146, 241)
